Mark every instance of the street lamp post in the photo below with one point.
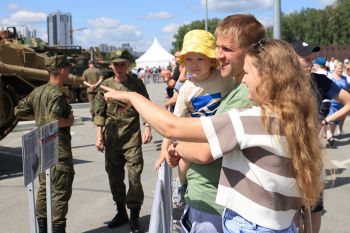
(206, 15)
(277, 19)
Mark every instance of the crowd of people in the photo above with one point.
(339, 73)
(149, 74)
(243, 122)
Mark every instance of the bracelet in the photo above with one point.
(146, 124)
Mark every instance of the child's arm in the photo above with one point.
(164, 149)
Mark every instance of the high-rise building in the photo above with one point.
(103, 48)
(26, 33)
(59, 28)
(126, 46)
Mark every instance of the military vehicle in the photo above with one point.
(21, 70)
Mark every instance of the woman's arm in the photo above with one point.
(168, 125)
(193, 152)
(344, 98)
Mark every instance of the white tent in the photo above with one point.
(155, 56)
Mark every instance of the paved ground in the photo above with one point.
(91, 205)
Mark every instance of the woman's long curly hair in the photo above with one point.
(286, 91)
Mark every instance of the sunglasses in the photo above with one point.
(258, 46)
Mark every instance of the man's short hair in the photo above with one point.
(244, 28)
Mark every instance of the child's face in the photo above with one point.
(198, 65)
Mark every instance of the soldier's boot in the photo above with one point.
(42, 224)
(120, 218)
(134, 221)
(59, 228)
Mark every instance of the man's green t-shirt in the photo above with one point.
(203, 179)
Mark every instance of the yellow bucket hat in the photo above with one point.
(199, 41)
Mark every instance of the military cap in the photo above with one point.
(121, 56)
(56, 61)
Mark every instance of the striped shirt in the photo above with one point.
(256, 179)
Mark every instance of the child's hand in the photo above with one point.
(158, 164)
(173, 157)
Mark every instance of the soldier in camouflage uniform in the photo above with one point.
(92, 79)
(46, 104)
(118, 134)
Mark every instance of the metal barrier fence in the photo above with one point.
(161, 215)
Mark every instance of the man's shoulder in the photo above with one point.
(107, 81)
(238, 91)
(47, 87)
(237, 98)
(134, 79)
(86, 71)
(319, 75)
(96, 70)
(47, 92)
(320, 78)
(54, 90)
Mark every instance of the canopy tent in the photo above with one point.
(155, 56)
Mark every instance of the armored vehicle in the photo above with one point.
(101, 63)
(21, 70)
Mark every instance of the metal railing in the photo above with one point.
(161, 215)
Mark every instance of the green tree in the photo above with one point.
(323, 27)
(198, 24)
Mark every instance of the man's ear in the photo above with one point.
(61, 70)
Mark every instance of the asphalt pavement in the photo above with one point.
(91, 205)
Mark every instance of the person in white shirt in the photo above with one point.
(320, 66)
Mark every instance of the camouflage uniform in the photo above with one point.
(48, 103)
(92, 75)
(122, 140)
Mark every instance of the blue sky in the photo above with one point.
(136, 21)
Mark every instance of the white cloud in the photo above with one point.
(23, 17)
(103, 22)
(159, 15)
(326, 2)
(109, 31)
(166, 41)
(237, 5)
(12, 6)
(171, 28)
(267, 21)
